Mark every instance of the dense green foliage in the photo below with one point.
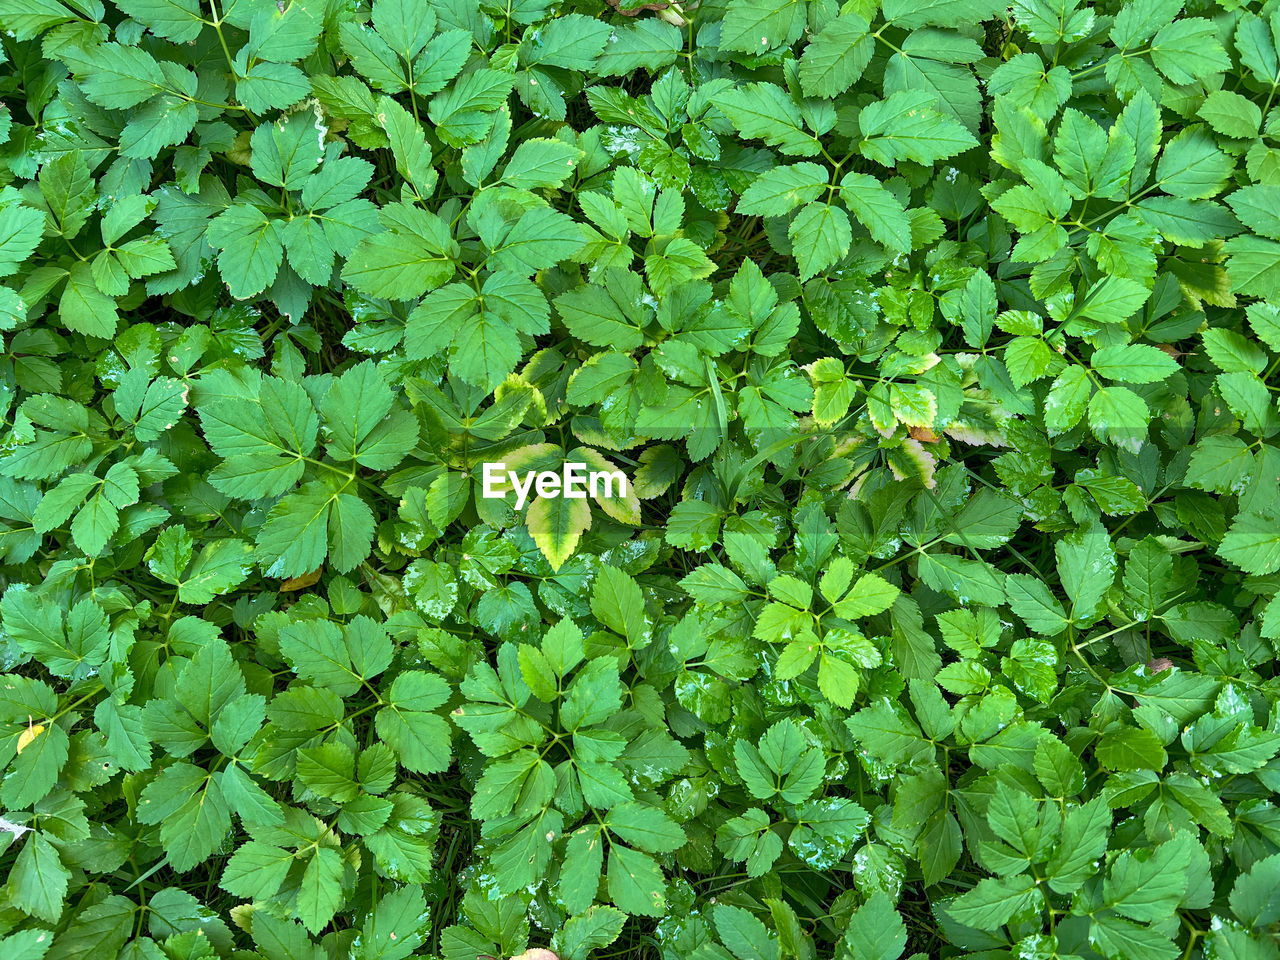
(937, 339)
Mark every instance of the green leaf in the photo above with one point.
(1188, 50)
(1131, 748)
(616, 601)
(464, 113)
(306, 526)
(191, 811)
(84, 308)
(416, 254)
(1134, 363)
(1220, 463)
(220, 566)
(30, 944)
(1253, 544)
(1118, 415)
(250, 248)
(763, 111)
(407, 724)
(904, 126)
(572, 42)
(871, 595)
(21, 233)
(1067, 400)
(1253, 895)
(540, 163)
(877, 209)
(837, 56)
(1148, 888)
(1113, 300)
(1231, 114)
(967, 580)
(360, 421)
(648, 42)
(606, 318)
(993, 902)
(826, 234)
(890, 734)
(1032, 601)
(373, 57)
(118, 77)
(1191, 166)
(647, 828)
(781, 765)
(636, 884)
(597, 927)
(782, 189)
(1121, 937)
(68, 192)
(1057, 768)
(556, 524)
(837, 680)
(396, 926)
(38, 880)
(943, 13)
(744, 934)
(875, 931)
(320, 890)
(1087, 564)
(581, 869)
(755, 26)
(338, 659)
(1085, 831)
(541, 238)
(256, 870)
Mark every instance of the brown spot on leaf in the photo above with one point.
(302, 582)
(670, 12)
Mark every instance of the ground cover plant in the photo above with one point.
(937, 339)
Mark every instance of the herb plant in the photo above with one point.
(936, 339)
